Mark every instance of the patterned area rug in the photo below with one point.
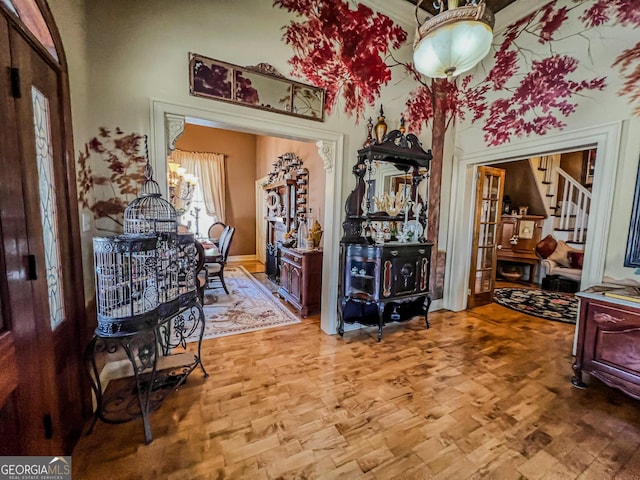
(248, 307)
(539, 303)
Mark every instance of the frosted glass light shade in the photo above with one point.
(452, 49)
(453, 41)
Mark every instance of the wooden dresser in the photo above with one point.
(608, 345)
(301, 279)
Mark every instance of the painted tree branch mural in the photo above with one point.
(524, 92)
(342, 50)
(626, 13)
(121, 171)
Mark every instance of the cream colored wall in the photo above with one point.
(240, 163)
(71, 22)
(267, 151)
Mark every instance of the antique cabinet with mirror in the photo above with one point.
(285, 206)
(293, 258)
(384, 257)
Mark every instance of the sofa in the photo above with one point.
(559, 259)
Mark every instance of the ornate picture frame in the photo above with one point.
(260, 86)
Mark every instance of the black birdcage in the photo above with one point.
(126, 283)
(187, 261)
(152, 214)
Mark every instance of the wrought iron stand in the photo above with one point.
(152, 371)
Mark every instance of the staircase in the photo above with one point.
(572, 211)
(567, 201)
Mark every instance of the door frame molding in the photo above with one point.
(260, 222)
(606, 138)
(329, 143)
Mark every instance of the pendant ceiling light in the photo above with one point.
(453, 41)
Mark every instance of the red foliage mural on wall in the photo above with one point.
(107, 193)
(346, 51)
(342, 50)
(626, 13)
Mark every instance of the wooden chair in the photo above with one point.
(201, 275)
(215, 232)
(215, 269)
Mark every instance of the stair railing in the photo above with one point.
(576, 202)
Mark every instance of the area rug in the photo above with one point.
(539, 303)
(248, 307)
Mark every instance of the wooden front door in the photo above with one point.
(488, 206)
(41, 413)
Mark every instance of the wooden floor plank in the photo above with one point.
(482, 394)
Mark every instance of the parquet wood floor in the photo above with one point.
(483, 394)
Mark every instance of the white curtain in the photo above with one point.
(209, 168)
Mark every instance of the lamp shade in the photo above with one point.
(453, 41)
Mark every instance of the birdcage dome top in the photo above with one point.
(149, 212)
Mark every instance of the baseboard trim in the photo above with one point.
(242, 258)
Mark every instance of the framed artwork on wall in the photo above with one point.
(260, 86)
(525, 230)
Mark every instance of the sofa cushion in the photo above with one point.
(575, 259)
(546, 246)
(561, 254)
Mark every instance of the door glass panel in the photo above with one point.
(31, 16)
(488, 202)
(48, 211)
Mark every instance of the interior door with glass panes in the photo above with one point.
(482, 277)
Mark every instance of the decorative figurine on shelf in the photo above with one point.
(381, 127)
(391, 204)
(402, 127)
(289, 238)
(315, 233)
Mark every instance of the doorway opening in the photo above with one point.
(168, 121)
(531, 229)
(605, 139)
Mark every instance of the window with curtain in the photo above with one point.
(209, 193)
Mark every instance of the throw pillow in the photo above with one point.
(561, 254)
(575, 259)
(546, 246)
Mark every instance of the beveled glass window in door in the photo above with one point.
(48, 211)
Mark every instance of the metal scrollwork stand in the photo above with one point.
(152, 371)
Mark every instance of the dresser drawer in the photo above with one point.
(291, 257)
(608, 345)
(610, 317)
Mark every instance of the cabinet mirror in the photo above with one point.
(387, 178)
